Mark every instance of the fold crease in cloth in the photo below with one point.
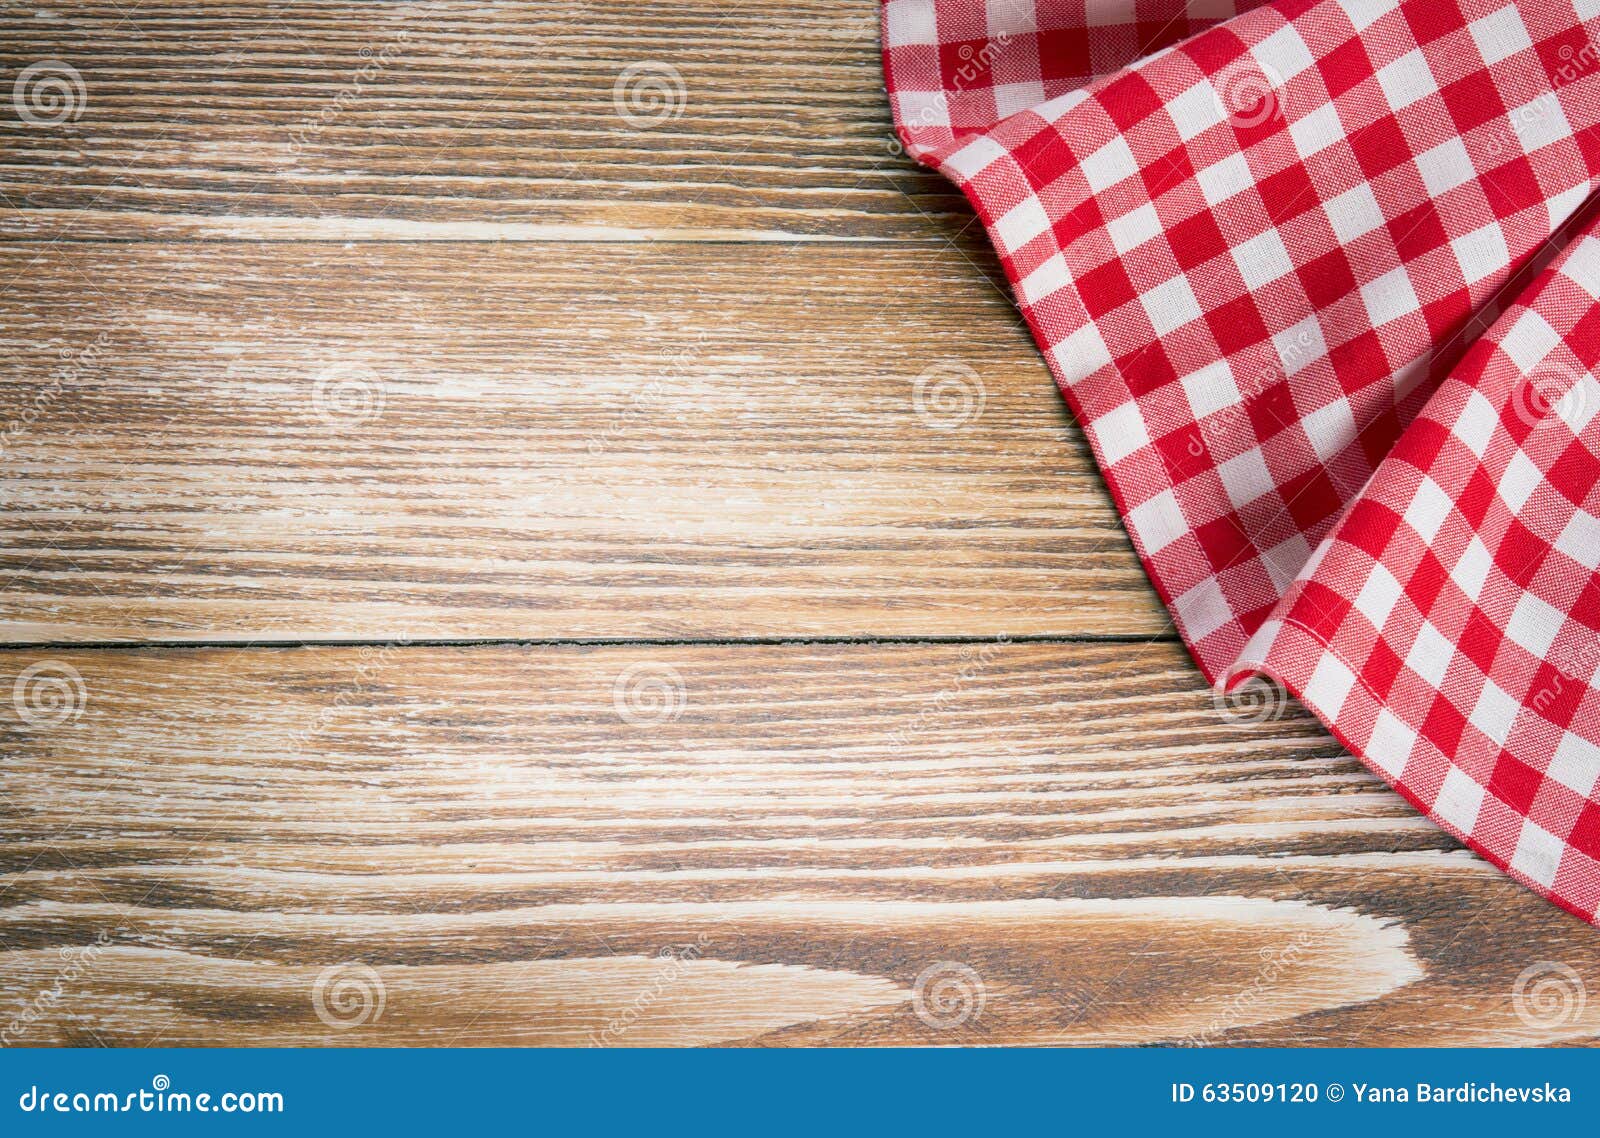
(1320, 280)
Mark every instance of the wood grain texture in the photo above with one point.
(374, 441)
(464, 119)
(382, 322)
(699, 844)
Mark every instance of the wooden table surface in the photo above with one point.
(534, 523)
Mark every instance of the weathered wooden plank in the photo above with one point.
(377, 441)
(504, 120)
(1000, 842)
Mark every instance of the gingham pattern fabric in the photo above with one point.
(1319, 280)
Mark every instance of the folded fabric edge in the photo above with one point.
(1296, 658)
(962, 156)
(1296, 652)
(1530, 835)
(1081, 412)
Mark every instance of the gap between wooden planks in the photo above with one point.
(383, 441)
(304, 441)
(467, 120)
(509, 845)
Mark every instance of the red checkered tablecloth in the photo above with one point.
(1319, 280)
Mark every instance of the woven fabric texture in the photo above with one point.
(1319, 280)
